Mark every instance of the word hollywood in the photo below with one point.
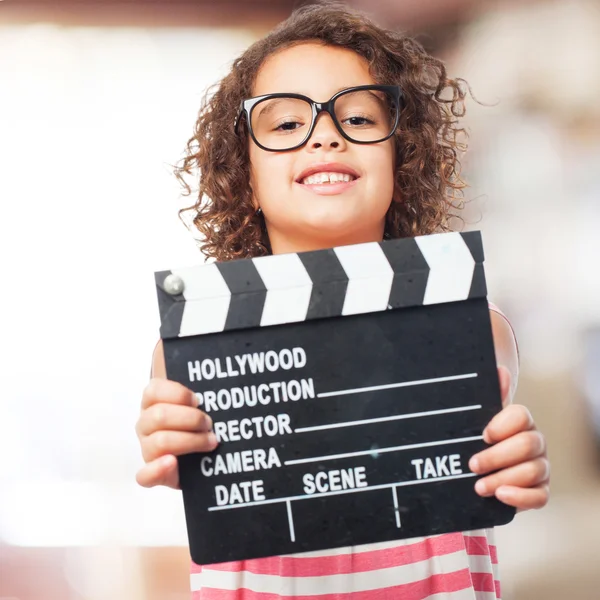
(254, 363)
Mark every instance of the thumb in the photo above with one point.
(161, 471)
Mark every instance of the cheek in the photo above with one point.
(269, 175)
(381, 175)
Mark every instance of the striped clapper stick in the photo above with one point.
(348, 387)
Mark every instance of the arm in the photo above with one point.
(515, 466)
(507, 354)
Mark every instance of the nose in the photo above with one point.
(325, 134)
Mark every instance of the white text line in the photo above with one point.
(291, 521)
(389, 386)
(376, 451)
(416, 415)
(396, 508)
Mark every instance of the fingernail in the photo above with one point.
(212, 439)
(486, 437)
(209, 422)
(481, 488)
(474, 464)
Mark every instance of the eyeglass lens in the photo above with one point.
(364, 116)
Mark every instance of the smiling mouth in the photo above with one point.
(327, 177)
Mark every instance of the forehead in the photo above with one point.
(312, 69)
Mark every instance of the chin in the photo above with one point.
(339, 232)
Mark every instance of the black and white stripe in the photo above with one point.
(346, 280)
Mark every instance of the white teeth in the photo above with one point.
(320, 178)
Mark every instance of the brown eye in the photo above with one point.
(288, 126)
(358, 121)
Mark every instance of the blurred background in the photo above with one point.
(96, 102)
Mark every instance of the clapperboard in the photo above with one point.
(348, 388)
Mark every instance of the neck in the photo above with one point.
(283, 244)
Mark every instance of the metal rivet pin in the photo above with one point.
(173, 285)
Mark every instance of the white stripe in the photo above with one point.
(391, 386)
(480, 563)
(369, 488)
(467, 594)
(478, 533)
(478, 596)
(288, 288)
(291, 521)
(370, 278)
(428, 413)
(300, 461)
(207, 300)
(496, 571)
(396, 509)
(451, 267)
(330, 584)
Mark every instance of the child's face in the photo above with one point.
(300, 216)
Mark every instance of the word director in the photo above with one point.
(269, 426)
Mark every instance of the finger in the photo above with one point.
(508, 422)
(162, 471)
(525, 475)
(517, 449)
(504, 381)
(173, 417)
(171, 392)
(160, 443)
(524, 498)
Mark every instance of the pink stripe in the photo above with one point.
(498, 591)
(483, 582)
(418, 590)
(342, 564)
(478, 546)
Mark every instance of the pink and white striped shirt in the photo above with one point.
(451, 566)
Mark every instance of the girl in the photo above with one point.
(333, 131)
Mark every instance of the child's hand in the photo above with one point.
(170, 424)
(518, 454)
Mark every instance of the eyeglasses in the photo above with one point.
(365, 114)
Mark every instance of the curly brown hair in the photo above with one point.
(428, 141)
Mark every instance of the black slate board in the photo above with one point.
(392, 406)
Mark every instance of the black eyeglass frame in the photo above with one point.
(248, 105)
